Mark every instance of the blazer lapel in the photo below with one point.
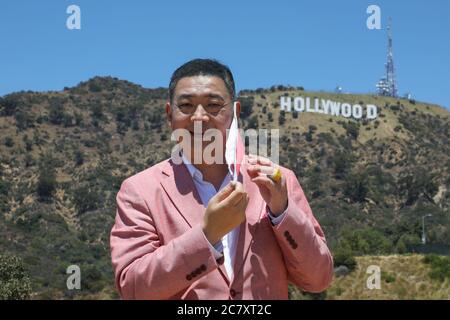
(248, 228)
(181, 190)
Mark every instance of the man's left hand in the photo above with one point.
(274, 193)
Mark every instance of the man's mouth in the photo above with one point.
(197, 133)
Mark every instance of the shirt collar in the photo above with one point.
(193, 171)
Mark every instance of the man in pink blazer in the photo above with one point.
(186, 231)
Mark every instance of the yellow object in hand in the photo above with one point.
(276, 175)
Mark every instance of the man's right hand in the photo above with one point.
(225, 211)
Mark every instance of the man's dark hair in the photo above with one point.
(203, 67)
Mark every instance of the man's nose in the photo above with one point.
(200, 114)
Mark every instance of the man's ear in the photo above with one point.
(169, 113)
(238, 109)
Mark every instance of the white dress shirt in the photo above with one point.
(226, 247)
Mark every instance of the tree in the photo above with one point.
(5, 186)
(78, 119)
(343, 256)
(366, 241)
(282, 117)
(9, 105)
(352, 130)
(405, 241)
(14, 281)
(94, 87)
(47, 179)
(341, 163)
(253, 122)
(246, 106)
(413, 185)
(8, 141)
(56, 113)
(97, 112)
(79, 157)
(86, 199)
(67, 120)
(355, 187)
(28, 143)
(440, 266)
(23, 119)
(92, 278)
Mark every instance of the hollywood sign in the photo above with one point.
(325, 106)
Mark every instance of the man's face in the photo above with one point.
(192, 97)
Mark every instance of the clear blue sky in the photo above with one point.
(316, 44)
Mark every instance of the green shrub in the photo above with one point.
(46, 181)
(282, 118)
(296, 294)
(246, 106)
(8, 105)
(440, 266)
(9, 142)
(5, 186)
(356, 187)
(340, 163)
(14, 281)
(343, 256)
(94, 87)
(413, 185)
(56, 113)
(85, 199)
(352, 130)
(79, 157)
(387, 277)
(366, 241)
(252, 123)
(406, 240)
(23, 119)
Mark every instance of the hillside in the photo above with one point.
(402, 277)
(63, 156)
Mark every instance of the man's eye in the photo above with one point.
(214, 106)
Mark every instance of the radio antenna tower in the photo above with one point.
(387, 86)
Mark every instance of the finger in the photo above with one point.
(255, 170)
(253, 159)
(242, 205)
(235, 196)
(263, 181)
(225, 192)
(234, 199)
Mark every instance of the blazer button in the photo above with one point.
(286, 234)
(198, 271)
(232, 293)
(294, 246)
(203, 267)
(188, 277)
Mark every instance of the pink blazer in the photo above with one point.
(159, 251)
